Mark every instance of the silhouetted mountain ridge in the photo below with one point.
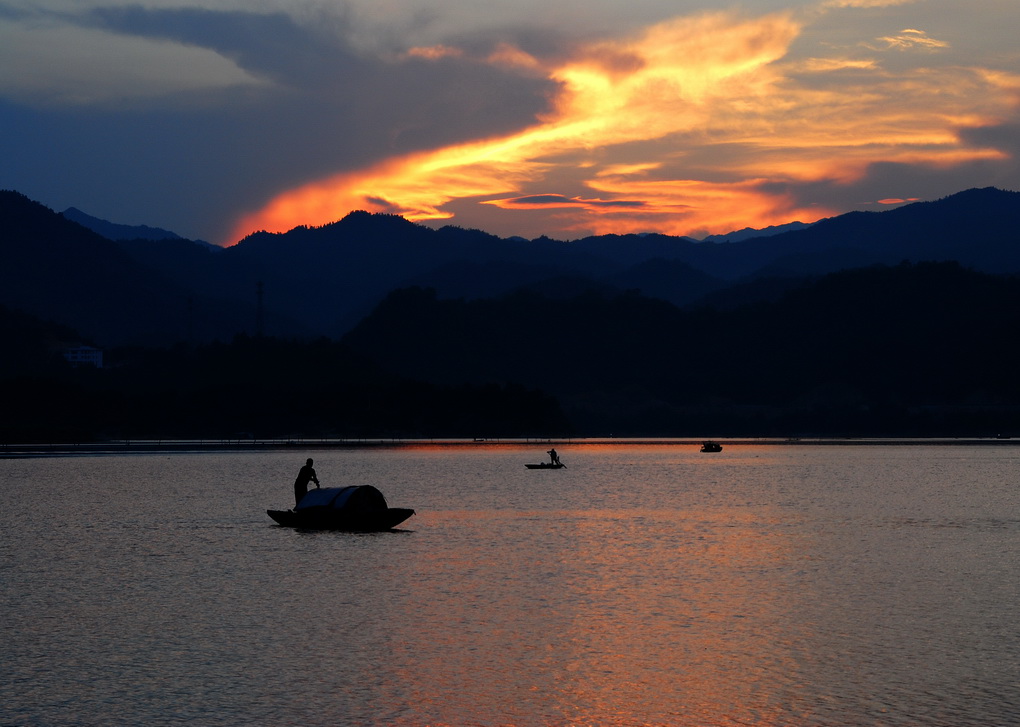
(323, 280)
(976, 228)
(55, 269)
(633, 334)
(115, 231)
(749, 232)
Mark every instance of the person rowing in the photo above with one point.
(305, 475)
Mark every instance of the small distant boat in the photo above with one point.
(711, 447)
(358, 508)
(545, 466)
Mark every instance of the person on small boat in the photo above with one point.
(306, 475)
(553, 457)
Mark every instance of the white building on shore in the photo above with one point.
(84, 355)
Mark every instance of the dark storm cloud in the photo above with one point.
(267, 45)
(442, 99)
(10, 13)
(541, 43)
(1005, 137)
(206, 156)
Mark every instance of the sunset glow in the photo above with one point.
(694, 125)
(520, 119)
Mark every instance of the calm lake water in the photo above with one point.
(643, 585)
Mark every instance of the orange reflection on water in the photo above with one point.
(637, 617)
(673, 628)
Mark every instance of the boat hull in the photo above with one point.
(355, 508)
(545, 466)
(327, 519)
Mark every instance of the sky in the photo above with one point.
(565, 118)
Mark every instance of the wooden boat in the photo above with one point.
(358, 508)
(545, 466)
(711, 447)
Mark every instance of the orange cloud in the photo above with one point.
(508, 55)
(897, 200)
(865, 3)
(910, 38)
(665, 80)
(434, 52)
(682, 128)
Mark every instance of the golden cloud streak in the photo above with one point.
(865, 3)
(911, 38)
(432, 53)
(713, 88)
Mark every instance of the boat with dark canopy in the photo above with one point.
(358, 508)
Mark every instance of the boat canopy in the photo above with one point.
(355, 498)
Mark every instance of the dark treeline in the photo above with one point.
(251, 387)
(925, 349)
(910, 350)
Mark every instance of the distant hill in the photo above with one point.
(323, 280)
(921, 349)
(671, 280)
(332, 276)
(977, 228)
(749, 232)
(57, 270)
(114, 231)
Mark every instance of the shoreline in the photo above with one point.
(147, 446)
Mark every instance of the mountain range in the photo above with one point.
(116, 231)
(308, 282)
(895, 322)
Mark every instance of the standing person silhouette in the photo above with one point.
(553, 456)
(306, 475)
